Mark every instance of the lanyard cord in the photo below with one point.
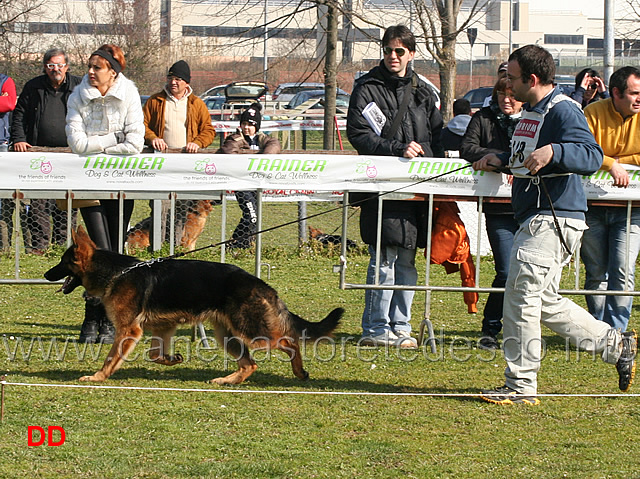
(555, 218)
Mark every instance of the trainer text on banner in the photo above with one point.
(295, 172)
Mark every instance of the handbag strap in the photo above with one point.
(401, 111)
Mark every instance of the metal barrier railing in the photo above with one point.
(427, 286)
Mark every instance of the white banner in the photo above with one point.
(284, 174)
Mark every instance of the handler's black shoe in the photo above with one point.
(106, 332)
(488, 342)
(626, 364)
(506, 395)
(89, 331)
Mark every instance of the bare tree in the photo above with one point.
(17, 41)
(438, 21)
(127, 24)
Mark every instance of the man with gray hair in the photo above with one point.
(39, 120)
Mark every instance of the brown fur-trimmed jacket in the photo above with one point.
(236, 143)
(199, 128)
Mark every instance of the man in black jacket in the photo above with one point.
(387, 313)
(39, 120)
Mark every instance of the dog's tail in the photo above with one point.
(319, 329)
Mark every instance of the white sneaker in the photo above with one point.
(405, 340)
(388, 338)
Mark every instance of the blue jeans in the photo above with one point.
(501, 228)
(603, 254)
(386, 309)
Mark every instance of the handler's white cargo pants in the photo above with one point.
(531, 297)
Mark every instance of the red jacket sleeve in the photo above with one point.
(8, 97)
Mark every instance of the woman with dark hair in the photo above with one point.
(490, 131)
(589, 87)
(104, 115)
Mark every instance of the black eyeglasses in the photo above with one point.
(399, 51)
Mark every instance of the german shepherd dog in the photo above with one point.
(244, 310)
(138, 237)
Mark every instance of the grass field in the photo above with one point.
(380, 424)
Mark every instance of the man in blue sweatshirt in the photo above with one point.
(551, 147)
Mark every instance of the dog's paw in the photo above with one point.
(95, 378)
(169, 360)
(226, 381)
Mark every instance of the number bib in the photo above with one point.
(525, 138)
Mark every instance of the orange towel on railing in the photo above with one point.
(450, 248)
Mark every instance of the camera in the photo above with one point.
(593, 86)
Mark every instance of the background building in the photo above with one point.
(227, 38)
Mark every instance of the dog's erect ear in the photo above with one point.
(84, 246)
(81, 236)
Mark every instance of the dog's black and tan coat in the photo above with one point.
(244, 310)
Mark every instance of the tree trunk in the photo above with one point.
(449, 22)
(330, 76)
(447, 88)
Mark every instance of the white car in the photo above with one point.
(217, 90)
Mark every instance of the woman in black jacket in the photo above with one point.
(490, 131)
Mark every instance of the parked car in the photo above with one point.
(215, 91)
(342, 99)
(477, 96)
(567, 83)
(213, 102)
(286, 91)
(237, 97)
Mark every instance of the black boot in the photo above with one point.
(106, 331)
(91, 323)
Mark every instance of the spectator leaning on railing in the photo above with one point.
(7, 105)
(177, 118)
(39, 120)
(615, 124)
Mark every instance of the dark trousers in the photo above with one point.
(102, 222)
(48, 223)
(501, 229)
(248, 225)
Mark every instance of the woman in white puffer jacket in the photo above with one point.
(104, 114)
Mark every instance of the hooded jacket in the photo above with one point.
(404, 223)
(7, 105)
(93, 120)
(199, 128)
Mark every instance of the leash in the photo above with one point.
(555, 218)
(540, 180)
(266, 230)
